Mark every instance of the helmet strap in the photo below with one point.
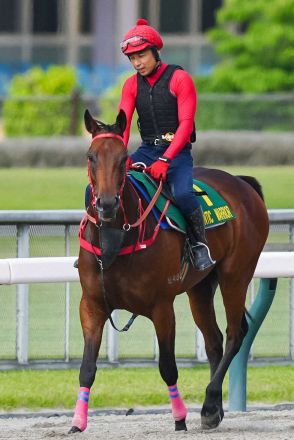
(157, 59)
(158, 64)
(155, 53)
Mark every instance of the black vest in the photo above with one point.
(157, 108)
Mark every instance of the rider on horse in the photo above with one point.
(165, 99)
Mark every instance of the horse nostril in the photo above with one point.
(98, 202)
(105, 203)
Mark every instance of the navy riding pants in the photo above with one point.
(179, 174)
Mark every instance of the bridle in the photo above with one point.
(99, 260)
(137, 223)
(94, 197)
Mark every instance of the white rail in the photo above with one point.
(38, 270)
(61, 270)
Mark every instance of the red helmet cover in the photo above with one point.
(146, 32)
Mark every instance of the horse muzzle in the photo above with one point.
(107, 207)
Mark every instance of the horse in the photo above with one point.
(139, 282)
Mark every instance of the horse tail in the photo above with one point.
(254, 183)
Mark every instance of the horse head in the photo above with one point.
(107, 157)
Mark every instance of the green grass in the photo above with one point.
(276, 183)
(43, 188)
(63, 188)
(133, 387)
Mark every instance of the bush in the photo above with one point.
(245, 112)
(40, 103)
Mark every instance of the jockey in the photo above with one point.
(165, 99)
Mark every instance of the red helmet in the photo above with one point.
(140, 37)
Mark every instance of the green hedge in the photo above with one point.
(245, 112)
(43, 103)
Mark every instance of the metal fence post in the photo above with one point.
(112, 339)
(200, 347)
(22, 299)
(292, 302)
(67, 299)
(155, 348)
(238, 367)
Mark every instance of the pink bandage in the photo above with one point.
(179, 410)
(80, 417)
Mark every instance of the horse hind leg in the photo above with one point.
(201, 299)
(92, 320)
(234, 294)
(164, 322)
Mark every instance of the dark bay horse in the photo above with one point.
(138, 282)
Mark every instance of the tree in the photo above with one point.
(256, 41)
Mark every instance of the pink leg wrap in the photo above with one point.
(179, 410)
(81, 411)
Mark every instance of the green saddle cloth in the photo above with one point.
(216, 210)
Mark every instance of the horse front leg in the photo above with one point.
(164, 322)
(92, 321)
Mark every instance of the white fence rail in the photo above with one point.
(61, 270)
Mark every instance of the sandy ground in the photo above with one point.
(257, 423)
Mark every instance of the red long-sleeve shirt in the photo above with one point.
(182, 87)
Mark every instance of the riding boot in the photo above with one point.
(196, 234)
(76, 264)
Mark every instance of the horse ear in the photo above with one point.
(90, 123)
(121, 121)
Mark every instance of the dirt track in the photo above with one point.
(270, 423)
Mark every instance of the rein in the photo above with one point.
(108, 310)
(149, 207)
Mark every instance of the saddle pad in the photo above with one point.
(216, 210)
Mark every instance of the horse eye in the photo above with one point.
(123, 160)
(91, 157)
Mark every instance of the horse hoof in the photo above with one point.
(74, 429)
(212, 421)
(180, 425)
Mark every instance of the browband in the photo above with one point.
(107, 135)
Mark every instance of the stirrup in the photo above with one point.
(76, 264)
(202, 257)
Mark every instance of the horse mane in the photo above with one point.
(108, 128)
(254, 183)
